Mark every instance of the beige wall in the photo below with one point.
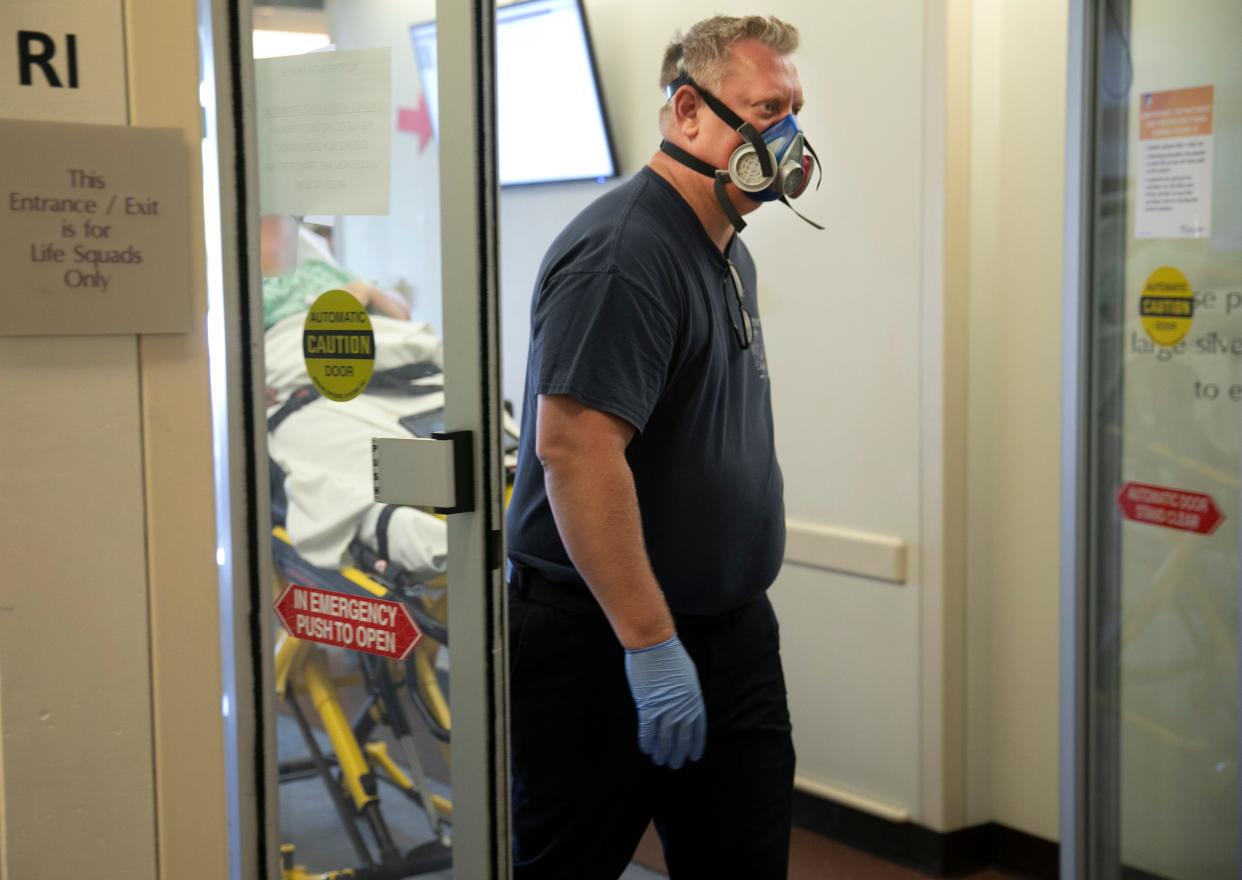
(1017, 160)
(73, 626)
(111, 751)
(188, 734)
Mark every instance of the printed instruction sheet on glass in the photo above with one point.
(324, 132)
(1174, 164)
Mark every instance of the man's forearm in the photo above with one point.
(596, 510)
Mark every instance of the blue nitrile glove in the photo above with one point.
(672, 721)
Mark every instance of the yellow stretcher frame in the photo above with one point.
(302, 665)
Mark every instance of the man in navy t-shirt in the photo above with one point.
(647, 520)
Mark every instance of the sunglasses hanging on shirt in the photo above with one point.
(774, 165)
(735, 297)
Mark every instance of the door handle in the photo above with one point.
(420, 472)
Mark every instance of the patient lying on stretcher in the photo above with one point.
(323, 448)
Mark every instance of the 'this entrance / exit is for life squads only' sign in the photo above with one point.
(94, 229)
(360, 623)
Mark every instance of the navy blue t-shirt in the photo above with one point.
(631, 316)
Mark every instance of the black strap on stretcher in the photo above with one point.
(401, 585)
(398, 379)
(381, 530)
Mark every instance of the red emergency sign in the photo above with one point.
(360, 623)
(1170, 508)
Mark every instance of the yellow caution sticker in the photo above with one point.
(1167, 306)
(338, 346)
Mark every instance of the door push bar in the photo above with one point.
(419, 472)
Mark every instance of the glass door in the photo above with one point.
(1154, 390)
(365, 318)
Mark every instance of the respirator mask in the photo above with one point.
(774, 165)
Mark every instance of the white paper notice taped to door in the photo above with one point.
(1174, 198)
(325, 132)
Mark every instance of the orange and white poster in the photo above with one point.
(1174, 164)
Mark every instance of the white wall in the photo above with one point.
(842, 314)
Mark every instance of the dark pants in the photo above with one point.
(583, 793)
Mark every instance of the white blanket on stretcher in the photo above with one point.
(325, 451)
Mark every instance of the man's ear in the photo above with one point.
(686, 105)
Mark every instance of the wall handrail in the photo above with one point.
(848, 551)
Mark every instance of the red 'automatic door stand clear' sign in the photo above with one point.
(360, 623)
(1170, 508)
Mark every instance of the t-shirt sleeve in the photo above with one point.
(603, 341)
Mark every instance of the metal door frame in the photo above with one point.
(1090, 759)
(477, 606)
(1075, 418)
(1088, 783)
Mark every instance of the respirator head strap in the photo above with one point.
(727, 116)
(720, 177)
(748, 132)
(819, 168)
(726, 204)
(693, 162)
(801, 216)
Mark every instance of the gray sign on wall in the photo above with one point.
(94, 230)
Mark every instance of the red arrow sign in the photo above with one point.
(417, 121)
(360, 623)
(1170, 508)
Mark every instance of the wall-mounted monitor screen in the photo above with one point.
(549, 112)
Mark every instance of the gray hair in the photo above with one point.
(706, 48)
